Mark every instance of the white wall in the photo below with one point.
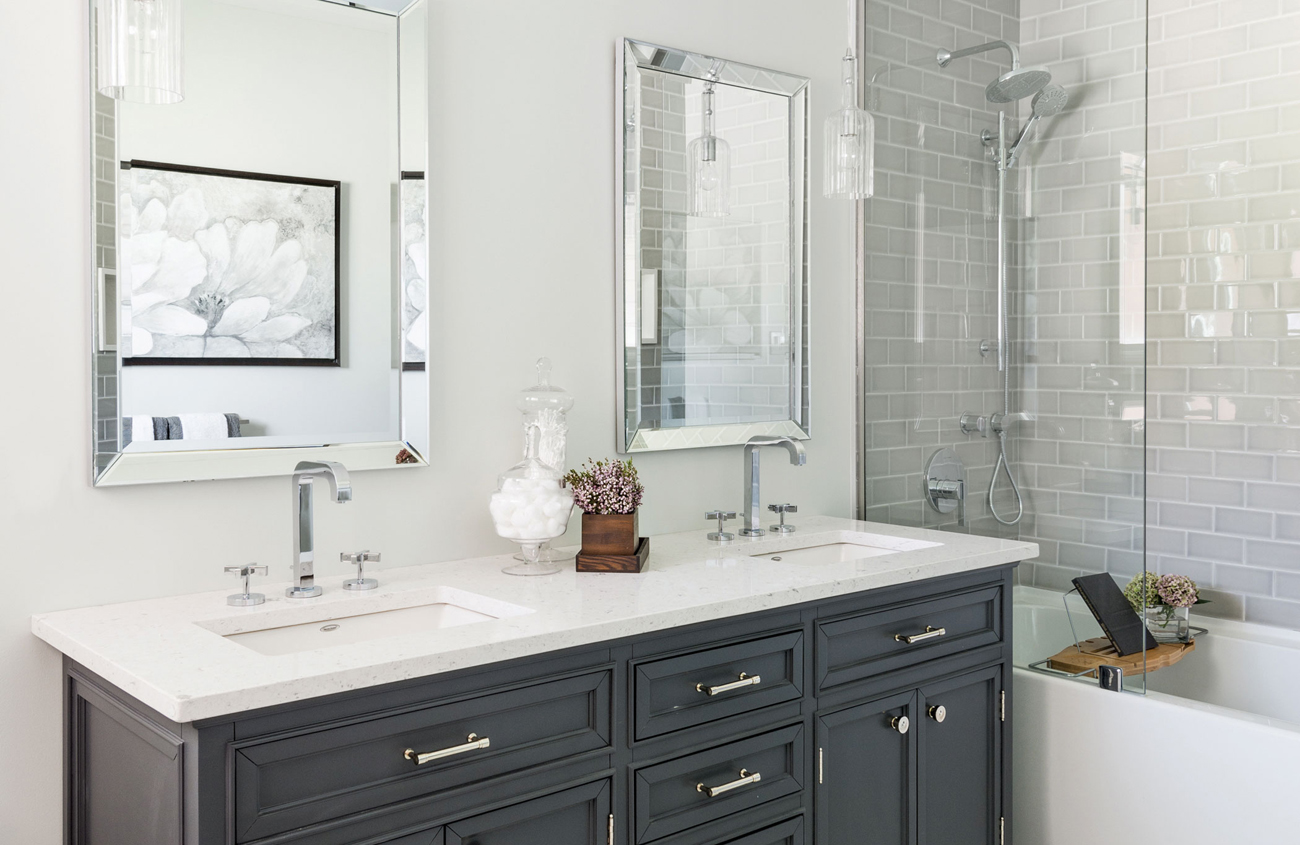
(523, 266)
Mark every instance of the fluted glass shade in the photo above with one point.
(850, 144)
(141, 47)
(709, 168)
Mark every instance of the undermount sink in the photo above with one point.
(449, 608)
(846, 551)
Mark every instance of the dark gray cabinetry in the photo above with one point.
(960, 760)
(780, 728)
(579, 816)
(910, 738)
(866, 773)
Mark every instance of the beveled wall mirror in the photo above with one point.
(258, 237)
(713, 275)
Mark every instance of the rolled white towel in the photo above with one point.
(141, 428)
(202, 427)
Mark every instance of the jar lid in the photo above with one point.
(544, 396)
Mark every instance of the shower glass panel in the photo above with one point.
(1002, 305)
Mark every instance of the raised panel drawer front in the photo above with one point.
(703, 686)
(856, 647)
(317, 775)
(733, 778)
(790, 832)
(577, 816)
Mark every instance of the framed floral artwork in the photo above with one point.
(224, 267)
(415, 272)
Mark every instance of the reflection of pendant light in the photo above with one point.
(709, 159)
(850, 144)
(141, 48)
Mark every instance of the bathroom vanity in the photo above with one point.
(728, 695)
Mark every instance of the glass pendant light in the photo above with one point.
(141, 45)
(850, 144)
(709, 159)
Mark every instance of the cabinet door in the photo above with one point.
(865, 784)
(960, 770)
(424, 837)
(577, 816)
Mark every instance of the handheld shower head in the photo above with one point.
(1050, 101)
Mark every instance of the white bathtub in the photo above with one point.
(1210, 756)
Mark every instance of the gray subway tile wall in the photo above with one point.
(929, 238)
(1155, 303)
(721, 354)
(1225, 213)
(105, 211)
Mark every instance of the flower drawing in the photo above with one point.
(222, 267)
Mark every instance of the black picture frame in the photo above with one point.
(337, 187)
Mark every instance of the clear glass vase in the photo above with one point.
(1169, 624)
(531, 507)
(545, 406)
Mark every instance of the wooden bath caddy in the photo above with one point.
(616, 563)
(1089, 654)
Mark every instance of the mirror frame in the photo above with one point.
(115, 469)
(639, 435)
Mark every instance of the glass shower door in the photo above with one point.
(1003, 290)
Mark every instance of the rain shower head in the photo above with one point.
(1017, 84)
(1050, 101)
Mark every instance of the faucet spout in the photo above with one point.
(304, 544)
(753, 508)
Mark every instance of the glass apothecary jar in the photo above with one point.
(531, 507)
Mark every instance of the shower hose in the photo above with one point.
(1004, 465)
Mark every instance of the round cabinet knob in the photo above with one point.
(938, 712)
(901, 724)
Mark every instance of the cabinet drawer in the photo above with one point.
(852, 648)
(670, 797)
(285, 783)
(789, 832)
(692, 689)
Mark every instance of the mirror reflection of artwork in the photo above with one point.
(225, 267)
(415, 273)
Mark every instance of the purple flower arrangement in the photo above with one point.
(1162, 591)
(1177, 591)
(606, 487)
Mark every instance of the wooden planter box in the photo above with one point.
(609, 533)
(610, 543)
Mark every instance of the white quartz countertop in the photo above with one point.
(174, 654)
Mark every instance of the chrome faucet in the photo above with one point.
(752, 526)
(304, 547)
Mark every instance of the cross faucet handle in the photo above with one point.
(782, 528)
(361, 583)
(246, 598)
(721, 535)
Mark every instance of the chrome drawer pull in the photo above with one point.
(745, 780)
(472, 743)
(930, 633)
(745, 681)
